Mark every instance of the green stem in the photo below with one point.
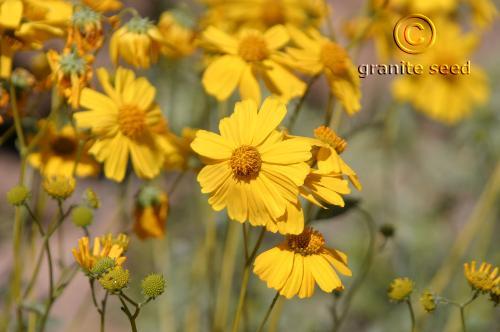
(302, 99)
(127, 312)
(269, 310)
(412, 315)
(103, 311)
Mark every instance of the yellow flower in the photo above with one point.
(122, 122)
(71, 72)
(296, 265)
(151, 210)
(58, 150)
(484, 12)
(244, 59)
(400, 289)
(179, 157)
(179, 40)
(138, 42)
(103, 5)
(428, 301)
(58, 186)
(102, 247)
(86, 30)
(447, 98)
(317, 54)
(483, 279)
(250, 169)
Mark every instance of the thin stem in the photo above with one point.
(7, 134)
(245, 240)
(176, 183)
(412, 315)
(103, 311)
(302, 99)
(462, 309)
(17, 118)
(263, 323)
(127, 312)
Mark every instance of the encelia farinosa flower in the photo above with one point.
(18, 195)
(483, 279)
(300, 262)
(59, 186)
(153, 285)
(115, 280)
(400, 289)
(102, 265)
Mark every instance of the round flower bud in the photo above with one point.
(92, 199)
(59, 187)
(428, 301)
(102, 266)
(400, 289)
(153, 285)
(18, 195)
(115, 280)
(82, 216)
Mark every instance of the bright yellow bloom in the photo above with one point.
(138, 42)
(296, 265)
(58, 150)
(102, 247)
(400, 289)
(319, 55)
(482, 279)
(123, 122)
(251, 169)
(447, 98)
(71, 72)
(103, 5)
(179, 40)
(245, 59)
(151, 210)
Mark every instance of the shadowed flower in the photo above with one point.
(151, 210)
(179, 40)
(250, 169)
(296, 265)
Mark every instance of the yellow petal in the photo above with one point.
(11, 12)
(323, 273)
(221, 40)
(211, 145)
(269, 117)
(276, 37)
(292, 285)
(223, 75)
(289, 151)
(249, 87)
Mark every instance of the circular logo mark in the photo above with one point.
(414, 33)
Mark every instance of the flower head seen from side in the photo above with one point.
(179, 40)
(123, 121)
(244, 59)
(400, 289)
(58, 152)
(250, 169)
(86, 256)
(484, 279)
(296, 265)
(151, 210)
(86, 30)
(316, 54)
(138, 42)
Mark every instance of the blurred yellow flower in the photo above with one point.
(58, 151)
(138, 42)
(59, 187)
(400, 289)
(123, 122)
(250, 169)
(483, 279)
(103, 5)
(86, 257)
(179, 40)
(296, 265)
(317, 54)
(244, 59)
(428, 301)
(85, 30)
(151, 210)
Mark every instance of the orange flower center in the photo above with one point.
(273, 13)
(329, 137)
(334, 58)
(245, 162)
(63, 146)
(132, 121)
(309, 242)
(253, 48)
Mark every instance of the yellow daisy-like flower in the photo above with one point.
(58, 151)
(317, 54)
(251, 169)
(151, 210)
(447, 98)
(400, 289)
(102, 247)
(138, 42)
(296, 265)
(483, 279)
(179, 40)
(103, 5)
(123, 123)
(244, 59)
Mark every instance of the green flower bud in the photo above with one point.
(82, 216)
(153, 285)
(18, 195)
(102, 266)
(428, 301)
(59, 187)
(115, 280)
(92, 199)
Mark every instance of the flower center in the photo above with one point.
(329, 137)
(273, 12)
(63, 146)
(132, 121)
(245, 162)
(253, 48)
(334, 58)
(309, 242)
